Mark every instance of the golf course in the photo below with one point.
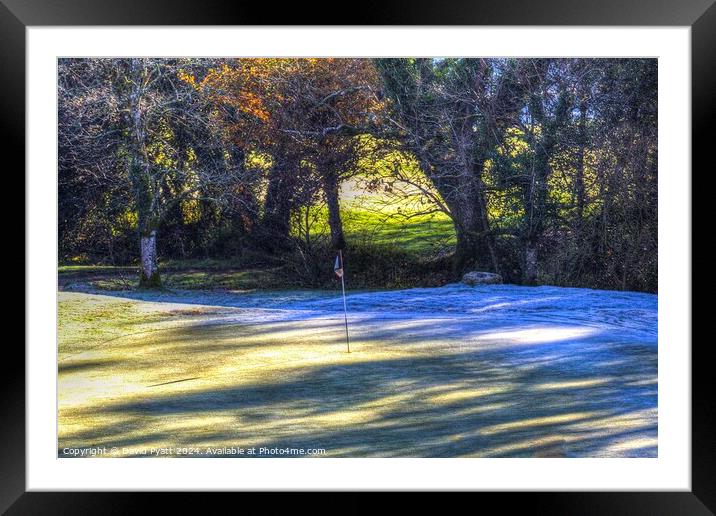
(456, 371)
(357, 257)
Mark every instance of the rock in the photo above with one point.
(473, 278)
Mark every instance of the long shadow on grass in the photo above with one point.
(574, 397)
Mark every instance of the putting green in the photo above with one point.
(160, 379)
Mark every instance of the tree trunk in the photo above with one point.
(579, 176)
(145, 190)
(535, 206)
(245, 209)
(475, 249)
(468, 250)
(531, 264)
(277, 206)
(149, 274)
(330, 189)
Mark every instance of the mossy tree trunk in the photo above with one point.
(474, 248)
(535, 186)
(144, 185)
(275, 222)
(330, 189)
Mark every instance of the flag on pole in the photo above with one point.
(338, 269)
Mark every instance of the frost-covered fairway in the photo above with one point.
(491, 371)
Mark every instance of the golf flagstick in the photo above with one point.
(338, 269)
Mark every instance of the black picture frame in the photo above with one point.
(700, 15)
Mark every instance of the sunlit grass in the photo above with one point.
(140, 375)
(418, 234)
(377, 219)
(571, 384)
(525, 424)
(414, 233)
(539, 335)
(466, 393)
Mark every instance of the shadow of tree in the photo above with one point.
(482, 394)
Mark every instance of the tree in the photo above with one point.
(305, 115)
(89, 207)
(130, 113)
(453, 113)
(325, 105)
(546, 167)
(542, 122)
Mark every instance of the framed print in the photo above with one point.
(446, 248)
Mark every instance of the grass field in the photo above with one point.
(426, 235)
(405, 223)
(145, 372)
